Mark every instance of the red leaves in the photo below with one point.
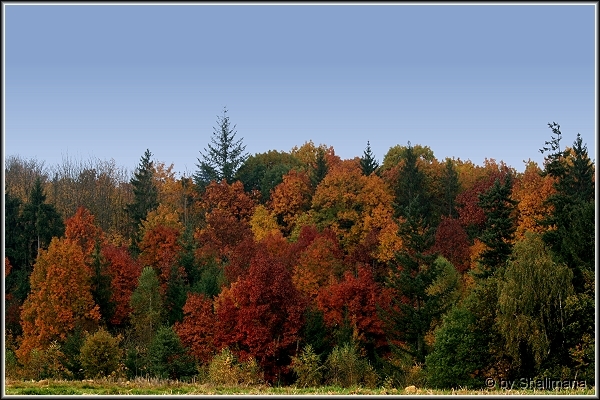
(124, 272)
(261, 314)
(355, 299)
(452, 242)
(197, 329)
(160, 249)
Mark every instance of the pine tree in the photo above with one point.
(500, 226)
(368, 163)
(223, 157)
(145, 197)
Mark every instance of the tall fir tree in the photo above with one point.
(498, 234)
(223, 157)
(368, 163)
(413, 270)
(319, 169)
(145, 198)
(450, 186)
(573, 235)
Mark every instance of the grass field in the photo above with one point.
(155, 387)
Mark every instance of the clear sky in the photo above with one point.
(469, 81)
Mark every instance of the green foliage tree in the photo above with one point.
(346, 367)
(101, 285)
(41, 222)
(145, 197)
(458, 353)
(223, 157)
(368, 163)
(100, 355)
(263, 171)
(307, 367)
(167, 358)
(450, 186)
(573, 235)
(532, 321)
(320, 169)
(147, 306)
(500, 226)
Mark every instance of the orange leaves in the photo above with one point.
(160, 248)
(60, 297)
(531, 190)
(291, 197)
(82, 230)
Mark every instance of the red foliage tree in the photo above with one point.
(261, 314)
(160, 249)
(197, 330)
(124, 272)
(354, 300)
(452, 242)
(81, 229)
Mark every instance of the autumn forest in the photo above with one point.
(302, 268)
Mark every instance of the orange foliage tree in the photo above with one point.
(228, 212)
(290, 199)
(82, 230)
(60, 299)
(531, 190)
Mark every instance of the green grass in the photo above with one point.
(156, 387)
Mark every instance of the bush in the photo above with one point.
(345, 367)
(46, 364)
(458, 353)
(226, 370)
(167, 358)
(100, 355)
(307, 368)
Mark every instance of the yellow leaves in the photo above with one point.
(389, 242)
(263, 223)
(163, 215)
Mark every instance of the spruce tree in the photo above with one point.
(572, 238)
(320, 169)
(450, 187)
(368, 163)
(223, 157)
(145, 197)
(500, 227)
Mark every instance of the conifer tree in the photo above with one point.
(450, 186)
(368, 163)
(572, 240)
(145, 196)
(320, 169)
(223, 157)
(500, 226)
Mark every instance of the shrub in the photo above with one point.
(346, 367)
(226, 370)
(100, 355)
(307, 368)
(458, 353)
(167, 358)
(46, 364)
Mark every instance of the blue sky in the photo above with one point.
(471, 82)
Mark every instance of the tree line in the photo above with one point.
(303, 268)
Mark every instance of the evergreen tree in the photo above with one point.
(145, 197)
(41, 222)
(147, 307)
(573, 238)
(223, 157)
(101, 285)
(450, 186)
(500, 226)
(413, 270)
(320, 169)
(368, 163)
